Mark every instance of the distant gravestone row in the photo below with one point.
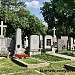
(35, 43)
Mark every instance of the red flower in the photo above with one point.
(22, 55)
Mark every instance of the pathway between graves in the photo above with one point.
(64, 56)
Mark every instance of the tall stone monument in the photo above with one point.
(18, 49)
(54, 37)
(3, 47)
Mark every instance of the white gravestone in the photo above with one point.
(18, 49)
(26, 41)
(71, 43)
(3, 42)
(41, 41)
(34, 45)
(54, 36)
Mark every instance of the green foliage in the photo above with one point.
(61, 14)
(21, 18)
(70, 53)
(72, 34)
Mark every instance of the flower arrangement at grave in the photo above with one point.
(20, 56)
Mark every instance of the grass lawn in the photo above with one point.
(48, 57)
(67, 52)
(73, 63)
(57, 66)
(7, 67)
(31, 61)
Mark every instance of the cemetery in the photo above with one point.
(28, 47)
(39, 50)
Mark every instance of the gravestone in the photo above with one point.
(60, 45)
(34, 45)
(3, 48)
(18, 49)
(71, 43)
(65, 39)
(48, 42)
(8, 41)
(3, 42)
(41, 41)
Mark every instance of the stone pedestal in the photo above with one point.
(53, 50)
(3, 48)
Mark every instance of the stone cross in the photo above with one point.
(2, 27)
(26, 38)
(26, 41)
(54, 32)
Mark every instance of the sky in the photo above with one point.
(34, 7)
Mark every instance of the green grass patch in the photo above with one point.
(57, 66)
(60, 73)
(49, 57)
(7, 67)
(31, 61)
(73, 63)
(67, 52)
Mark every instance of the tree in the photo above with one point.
(22, 19)
(61, 14)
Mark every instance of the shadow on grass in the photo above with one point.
(17, 62)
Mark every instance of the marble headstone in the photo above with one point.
(71, 43)
(3, 47)
(18, 49)
(34, 42)
(34, 45)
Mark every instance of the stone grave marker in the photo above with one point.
(65, 38)
(18, 49)
(48, 42)
(60, 44)
(34, 45)
(71, 43)
(3, 42)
